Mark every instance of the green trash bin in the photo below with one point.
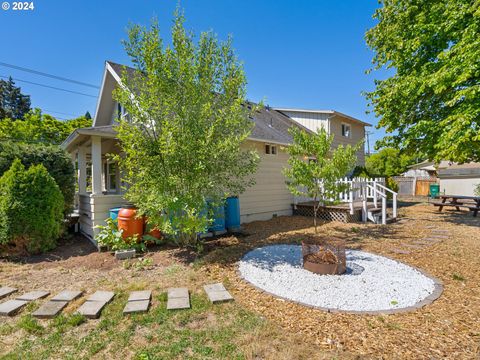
(434, 190)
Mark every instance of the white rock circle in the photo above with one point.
(372, 282)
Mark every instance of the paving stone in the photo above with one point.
(91, 309)
(439, 236)
(400, 251)
(9, 307)
(440, 231)
(102, 296)
(6, 290)
(140, 295)
(178, 293)
(67, 295)
(214, 287)
(217, 293)
(50, 309)
(33, 295)
(136, 306)
(178, 303)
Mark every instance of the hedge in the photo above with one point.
(57, 162)
(31, 208)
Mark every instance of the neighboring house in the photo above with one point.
(459, 179)
(99, 180)
(346, 129)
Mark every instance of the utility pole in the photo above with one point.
(367, 133)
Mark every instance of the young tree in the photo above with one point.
(186, 123)
(431, 103)
(13, 104)
(315, 168)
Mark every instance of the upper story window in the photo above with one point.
(346, 130)
(121, 113)
(271, 149)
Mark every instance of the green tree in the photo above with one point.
(186, 125)
(431, 103)
(13, 104)
(88, 116)
(388, 162)
(315, 168)
(38, 127)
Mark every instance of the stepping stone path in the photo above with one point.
(10, 307)
(92, 308)
(56, 304)
(138, 301)
(217, 293)
(178, 298)
(6, 290)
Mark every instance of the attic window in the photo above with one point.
(346, 130)
(271, 149)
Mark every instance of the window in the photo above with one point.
(346, 130)
(271, 149)
(111, 176)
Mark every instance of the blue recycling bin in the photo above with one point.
(232, 213)
(114, 213)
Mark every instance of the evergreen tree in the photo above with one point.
(87, 115)
(13, 104)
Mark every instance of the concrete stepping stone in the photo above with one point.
(50, 309)
(400, 251)
(217, 293)
(178, 298)
(92, 308)
(10, 307)
(138, 301)
(67, 295)
(56, 304)
(440, 231)
(439, 236)
(33, 295)
(6, 290)
(136, 306)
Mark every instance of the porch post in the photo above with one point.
(82, 170)
(96, 165)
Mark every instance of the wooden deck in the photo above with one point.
(338, 212)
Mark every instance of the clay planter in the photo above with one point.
(324, 256)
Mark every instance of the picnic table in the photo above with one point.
(470, 202)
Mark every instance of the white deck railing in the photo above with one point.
(362, 191)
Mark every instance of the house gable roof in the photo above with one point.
(330, 112)
(270, 125)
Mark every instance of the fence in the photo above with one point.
(414, 186)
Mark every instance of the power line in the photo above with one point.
(21, 68)
(50, 87)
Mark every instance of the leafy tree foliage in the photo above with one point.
(315, 168)
(57, 162)
(13, 104)
(388, 162)
(31, 206)
(432, 102)
(186, 123)
(38, 127)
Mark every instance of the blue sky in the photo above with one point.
(304, 54)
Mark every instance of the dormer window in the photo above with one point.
(346, 130)
(271, 149)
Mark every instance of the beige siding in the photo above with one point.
(357, 135)
(94, 209)
(310, 120)
(269, 196)
(459, 186)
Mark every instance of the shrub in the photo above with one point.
(56, 161)
(31, 206)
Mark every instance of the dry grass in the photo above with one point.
(257, 325)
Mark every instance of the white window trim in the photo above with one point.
(271, 146)
(349, 132)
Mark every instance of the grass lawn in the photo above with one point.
(256, 325)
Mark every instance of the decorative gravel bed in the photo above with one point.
(372, 282)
